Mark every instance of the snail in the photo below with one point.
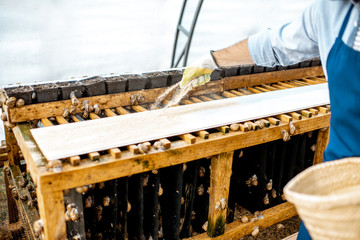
(4, 116)
(88, 202)
(201, 171)
(66, 113)
(97, 109)
(72, 110)
(74, 214)
(269, 185)
(205, 226)
(142, 148)
(244, 219)
(11, 102)
(106, 201)
(200, 190)
(74, 100)
(266, 200)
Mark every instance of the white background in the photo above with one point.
(43, 40)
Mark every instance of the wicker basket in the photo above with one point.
(327, 198)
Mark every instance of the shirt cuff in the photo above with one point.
(261, 50)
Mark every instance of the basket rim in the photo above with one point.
(312, 201)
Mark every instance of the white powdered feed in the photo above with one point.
(178, 95)
(164, 95)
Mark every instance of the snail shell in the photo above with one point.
(20, 102)
(74, 214)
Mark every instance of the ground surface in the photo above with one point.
(276, 231)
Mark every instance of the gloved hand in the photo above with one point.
(199, 72)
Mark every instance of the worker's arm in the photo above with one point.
(236, 54)
(293, 42)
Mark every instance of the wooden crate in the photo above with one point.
(218, 145)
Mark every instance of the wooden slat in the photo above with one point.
(278, 86)
(254, 90)
(93, 116)
(166, 142)
(75, 160)
(245, 91)
(77, 118)
(237, 229)
(94, 156)
(306, 113)
(296, 115)
(294, 84)
(121, 110)
(224, 129)
(285, 118)
(228, 94)
(323, 109)
(180, 152)
(134, 149)
(287, 85)
(203, 134)
(205, 98)
(310, 81)
(265, 122)
(314, 111)
(237, 93)
(195, 100)
(301, 82)
(189, 138)
(46, 122)
(268, 87)
(166, 102)
(115, 152)
(262, 89)
(109, 113)
(138, 108)
(244, 128)
(61, 120)
(186, 101)
(215, 96)
(221, 167)
(273, 121)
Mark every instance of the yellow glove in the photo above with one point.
(199, 72)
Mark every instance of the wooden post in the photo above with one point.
(12, 147)
(52, 213)
(321, 143)
(221, 166)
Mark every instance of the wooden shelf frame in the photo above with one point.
(51, 185)
(218, 145)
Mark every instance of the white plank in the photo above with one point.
(80, 138)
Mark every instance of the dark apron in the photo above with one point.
(343, 68)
